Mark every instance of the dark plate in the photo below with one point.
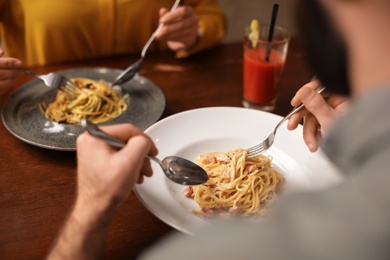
(22, 117)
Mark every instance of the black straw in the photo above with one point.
(271, 31)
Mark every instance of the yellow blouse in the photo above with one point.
(42, 32)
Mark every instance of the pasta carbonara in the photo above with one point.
(237, 185)
(93, 100)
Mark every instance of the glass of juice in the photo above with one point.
(263, 67)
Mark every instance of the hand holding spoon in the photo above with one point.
(177, 169)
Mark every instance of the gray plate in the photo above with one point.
(22, 117)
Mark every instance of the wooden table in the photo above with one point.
(37, 186)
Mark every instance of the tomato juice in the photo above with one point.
(261, 77)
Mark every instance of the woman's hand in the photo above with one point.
(180, 29)
(318, 115)
(8, 72)
(106, 176)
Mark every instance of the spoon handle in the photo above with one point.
(154, 159)
(94, 130)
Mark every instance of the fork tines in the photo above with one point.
(68, 86)
(256, 150)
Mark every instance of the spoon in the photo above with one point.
(134, 68)
(177, 169)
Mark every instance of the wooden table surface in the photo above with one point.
(37, 186)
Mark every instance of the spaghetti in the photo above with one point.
(237, 185)
(93, 100)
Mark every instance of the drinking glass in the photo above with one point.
(262, 75)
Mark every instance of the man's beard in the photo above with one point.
(325, 50)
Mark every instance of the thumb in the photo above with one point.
(163, 11)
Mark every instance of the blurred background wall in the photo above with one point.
(241, 12)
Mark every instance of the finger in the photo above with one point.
(147, 168)
(125, 132)
(185, 37)
(121, 131)
(137, 147)
(162, 12)
(176, 46)
(146, 171)
(295, 101)
(295, 120)
(317, 106)
(179, 14)
(185, 26)
(10, 63)
(132, 156)
(140, 179)
(85, 141)
(338, 101)
(310, 130)
(88, 147)
(181, 40)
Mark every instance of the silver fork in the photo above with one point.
(130, 71)
(54, 80)
(266, 144)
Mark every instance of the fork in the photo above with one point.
(130, 71)
(266, 144)
(54, 80)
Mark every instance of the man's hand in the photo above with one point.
(105, 179)
(318, 115)
(107, 175)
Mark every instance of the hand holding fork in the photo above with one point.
(135, 67)
(54, 80)
(266, 144)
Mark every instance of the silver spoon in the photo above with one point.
(177, 169)
(134, 68)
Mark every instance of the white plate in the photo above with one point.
(204, 130)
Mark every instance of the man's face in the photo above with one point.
(325, 49)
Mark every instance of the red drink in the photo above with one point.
(261, 77)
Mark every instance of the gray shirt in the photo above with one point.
(348, 221)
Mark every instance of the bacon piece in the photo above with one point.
(188, 192)
(234, 209)
(222, 157)
(209, 159)
(208, 213)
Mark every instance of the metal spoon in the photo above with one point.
(177, 169)
(134, 68)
